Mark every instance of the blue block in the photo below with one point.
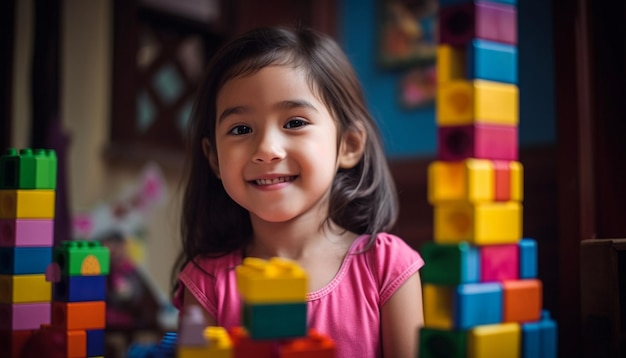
(477, 304)
(24, 260)
(80, 288)
(531, 340)
(95, 342)
(539, 338)
(456, 2)
(528, 258)
(492, 61)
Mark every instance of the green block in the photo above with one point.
(82, 258)
(450, 264)
(275, 321)
(437, 343)
(28, 169)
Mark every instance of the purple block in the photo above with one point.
(26, 232)
(485, 141)
(460, 24)
(24, 316)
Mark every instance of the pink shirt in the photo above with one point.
(347, 309)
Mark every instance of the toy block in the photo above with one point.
(245, 347)
(26, 204)
(479, 224)
(78, 315)
(443, 3)
(24, 289)
(438, 306)
(24, 260)
(460, 24)
(437, 343)
(481, 141)
(522, 300)
(539, 338)
(528, 258)
(82, 258)
(467, 180)
(26, 232)
(24, 316)
(275, 321)
(315, 345)
(72, 343)
(508, 180)
(497, 340)
(218, 345)
(274, 281)
(463, 102)
(499, 262)
(12, 342)
(192, 327)
(449, 264)
(80, 288)
(477, 304)
(450, 64)
(492, 61)
(28, 169)
(95, 342)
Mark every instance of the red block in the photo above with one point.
(12, 342)
(315, 345)
(460, 24)
(502, 182)
(499, 262)
(245, 347)
(483, 141)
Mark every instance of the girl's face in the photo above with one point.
(275, 145)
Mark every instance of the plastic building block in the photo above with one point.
(95, 342)
(315, 345)
(275, 321)
(455, 2)
(499, 262)
(24, 289)
(28, 169)
(508, 180)
(460, 24)
(73, 343)
(477, 304)
(218, 345)
(12, 342)
(528, 258)
(192, 327)
(26, 232)
(438, 306)
(498, 340)
(437, 343)
(522, 300)
(539, 338)
(486, 141)
(78, 315)
(449, 264)
(27, 204)
(478, 224)
(479, 60)
(82, 258)
(450, 64)
(463, 102)
(80, 288)
(245, 347)
(24, 260)
(24, 316)
(274, 281)
(164, 349)
(467, 180)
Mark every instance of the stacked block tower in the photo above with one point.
(274, 318)
(27, 196)
(481, 294)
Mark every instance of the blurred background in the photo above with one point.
(109, 84)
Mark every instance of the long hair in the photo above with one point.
(362, 199)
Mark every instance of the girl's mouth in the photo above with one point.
(278, 180)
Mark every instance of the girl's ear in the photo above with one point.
(211, 156)
(351, 147)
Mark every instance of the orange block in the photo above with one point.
(522, 300)
(246, 347)
(78, 315)
(315, 345)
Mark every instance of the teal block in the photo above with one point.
(477, 304)
(24, 260)
(437, 343)
(539, 339)
(28, 169)
(275, 321)
(528, 258)
(82, 258)
(450, 264)
(492, 61)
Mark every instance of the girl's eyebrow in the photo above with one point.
(288, 104)
(232, 110)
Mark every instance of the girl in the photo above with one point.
(286, 161)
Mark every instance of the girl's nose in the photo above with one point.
(268, 149)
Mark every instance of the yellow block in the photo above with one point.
(438, 306)
(26, 204)
(24, 289)
(478, 224)
(479, 101)
(468, 180)
(497, 340)
(218, 345)
(450, 63)
(517, 181)
(274, 281)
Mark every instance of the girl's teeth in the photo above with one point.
(272, 181)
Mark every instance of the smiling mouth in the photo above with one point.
(285, 179)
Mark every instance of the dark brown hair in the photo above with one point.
(363, 198)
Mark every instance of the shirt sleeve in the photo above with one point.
(392, 262)
(200, 284)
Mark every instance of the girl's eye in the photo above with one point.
(239, 130)
(295, 123)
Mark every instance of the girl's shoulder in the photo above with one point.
(212, 265)
(384, 244)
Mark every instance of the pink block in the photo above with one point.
(485, 141)
(460, 24)
(24, 316)
(499, 262)
(26, 232)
